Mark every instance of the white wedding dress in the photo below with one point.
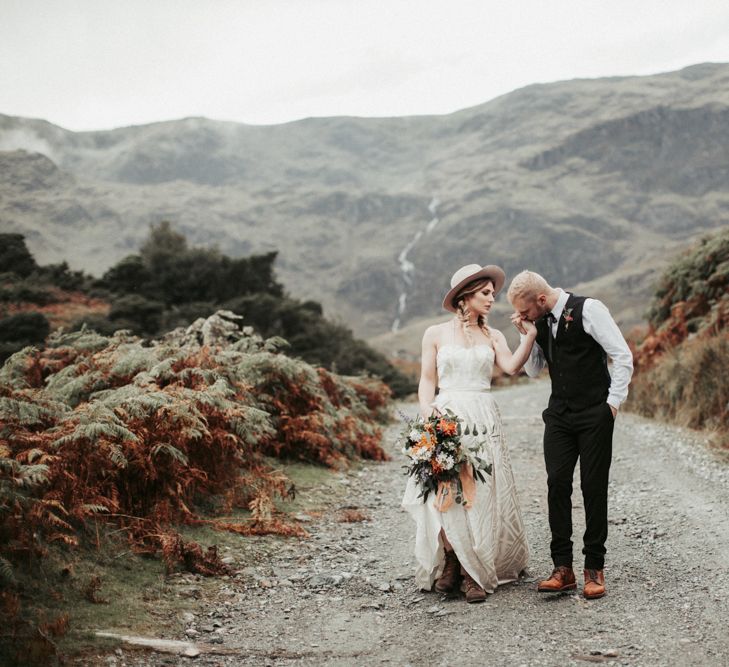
(489, 538)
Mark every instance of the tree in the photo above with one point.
(163, 242)
(129, 276)
(15, 256)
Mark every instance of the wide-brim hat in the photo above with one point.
(470, 273)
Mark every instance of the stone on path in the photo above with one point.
(187, 649)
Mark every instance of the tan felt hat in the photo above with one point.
(470, 273)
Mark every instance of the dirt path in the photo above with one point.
(346, 595)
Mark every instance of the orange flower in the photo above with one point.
(447, 427)
(427, 441)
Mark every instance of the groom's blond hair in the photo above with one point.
(527, 285)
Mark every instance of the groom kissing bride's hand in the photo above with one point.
(522, 325)
(575, 335)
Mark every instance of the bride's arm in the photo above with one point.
(512, 362)
(428, 374)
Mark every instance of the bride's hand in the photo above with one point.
(518, 322)
(432, 412)
(530, 329)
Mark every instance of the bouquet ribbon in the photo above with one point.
(445, 496)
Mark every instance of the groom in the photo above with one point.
(575, 336)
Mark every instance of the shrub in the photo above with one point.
(137, 313)
(24, 327)
(107, 429)
(317, 340)
(21, 330)
(682, 365)
(688, 385)
(15, 256)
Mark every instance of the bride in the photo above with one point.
(478, 548)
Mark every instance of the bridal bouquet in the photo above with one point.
(439, 457)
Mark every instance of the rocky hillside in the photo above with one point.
(589, 181)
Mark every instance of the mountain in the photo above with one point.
(591, 182)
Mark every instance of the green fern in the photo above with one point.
(13, 371)
(32, 475)
(30, 412)
(7, 574)
(85, 340)
(94, 508)
(172, 452)
(132, 359)
(71, 388)
(95, 422)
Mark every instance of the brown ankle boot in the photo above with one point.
(474, 592)
(451, 577)
(594, 584)
(561, 579)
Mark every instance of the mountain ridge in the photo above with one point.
(342, 198)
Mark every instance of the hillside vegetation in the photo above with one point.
(682, 366)
(106, 432)
(170, 284)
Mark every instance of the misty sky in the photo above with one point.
(96, 64)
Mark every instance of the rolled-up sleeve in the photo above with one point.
(599, 323)
(536, 361)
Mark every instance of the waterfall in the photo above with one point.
(407, 268)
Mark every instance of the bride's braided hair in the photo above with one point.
(463, 312)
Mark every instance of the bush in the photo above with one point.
(694, 284)
(166, 269)
(169, 284)
(26, 290)
(109, 429)
(137, 313)
(682, 365)
(21, 330)
(31, 327)
(99, 323)
(317, 340)
(15, 256)
(688, 385)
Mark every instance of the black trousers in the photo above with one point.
(588, 435)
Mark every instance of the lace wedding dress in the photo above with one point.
(489, 538)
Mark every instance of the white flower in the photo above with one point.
(423, 454)
(446, 461)
(414, 435)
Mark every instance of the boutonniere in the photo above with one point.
(567, 314)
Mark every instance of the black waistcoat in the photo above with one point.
(578, 369)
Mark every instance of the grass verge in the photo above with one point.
(103, 585)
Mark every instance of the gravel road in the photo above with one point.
(346, 595)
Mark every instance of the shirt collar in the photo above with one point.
(561, 303)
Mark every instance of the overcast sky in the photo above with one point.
(96, 64)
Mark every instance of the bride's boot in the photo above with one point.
(474, 592)
(450, 580)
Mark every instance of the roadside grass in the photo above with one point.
(689, 386)
(103, 585)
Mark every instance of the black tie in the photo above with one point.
(551, 319)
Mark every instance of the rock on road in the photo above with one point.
(346, 595)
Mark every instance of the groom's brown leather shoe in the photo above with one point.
(562, 579)
(594, 584)
(450, 580)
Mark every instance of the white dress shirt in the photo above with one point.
(598, 323)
